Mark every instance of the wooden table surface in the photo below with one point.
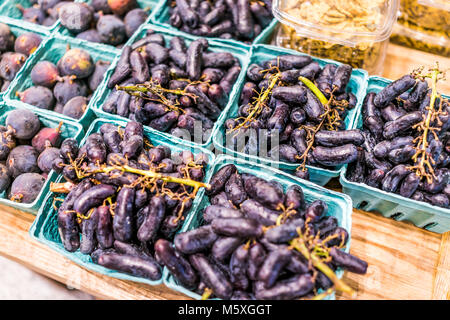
(405, 262)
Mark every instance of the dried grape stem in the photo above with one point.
(422, 158)
(259, 103)
(155, 88)
(317, 263)
(331, 115)
(62, 187)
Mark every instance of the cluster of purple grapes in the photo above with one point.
(170, 89)
(389, 156)
(227, 19)
(245, 247)
(117, 208)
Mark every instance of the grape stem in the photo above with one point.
(317, 263)
(422, 158)
(260, 103)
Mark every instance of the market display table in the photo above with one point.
(405, 262)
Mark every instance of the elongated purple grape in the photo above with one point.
(123, 224)
(237, 227)
(254, 210)
(93, 197)
(348, 261)
(212, 276)
(272, 266)
(178, 266)
(196, 240)
(133, 265)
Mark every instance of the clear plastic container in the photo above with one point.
(355, 32)
(424, 40)
(424, 25)
(428, 14)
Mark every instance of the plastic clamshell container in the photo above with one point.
(52, 50)
(320, 176)
(17, 29)
(424, 40)
(339, 206)
(421, 214)
(45, 226)
(69, 129)
(10, 9)
(424, 25)
(356, 32)
(162, 16)
(143, 4)
(214, 46)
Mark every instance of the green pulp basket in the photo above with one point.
(52, 50)
(339, 206)
(162, 16)
(17, 29)
(421, 214)
(321, 176)
(143, 4)
(214, 46)
(69, 129)
(45, 226)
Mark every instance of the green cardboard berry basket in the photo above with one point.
(421, 214)
(45, 226)
(69, 129)
(9, 9)
(52, 50)
(143, 4)
(17, 29)
(103, 92)
(339, 206)
(162, 18)
(321, 176)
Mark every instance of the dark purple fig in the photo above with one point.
(133, 20)
(111, 29)
(47, 136)
(38, 96)
(32, 14)
(46, 159)
(76, 17)
(24, 122)
(44, 73)
(22, 159)
(69, 88)
(76, 62)
(27, 43)
(26, 187)
(6, 38)
(75, 107)
(91, 35)
(10, 64)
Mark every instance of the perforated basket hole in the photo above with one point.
(362, 205)
(397, 216)
(430, 225)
